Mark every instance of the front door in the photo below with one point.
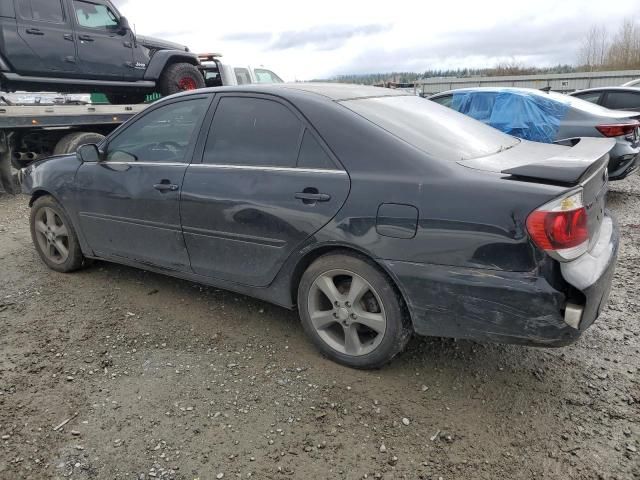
(264, 186)
(44, 27)
(129, 203)
(105, 50)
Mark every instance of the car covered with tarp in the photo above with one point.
(550, 117)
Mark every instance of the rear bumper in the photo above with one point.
(624, 161)
(505, 307)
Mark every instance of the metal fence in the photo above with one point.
(564, 82)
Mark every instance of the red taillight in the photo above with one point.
(560, 227)
(558, 230)
(618, 130)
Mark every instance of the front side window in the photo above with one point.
(242, 76)
(266, 76)
(623, 100)
(41, 10)
(253, 132)
(93, 15)
(162, 135)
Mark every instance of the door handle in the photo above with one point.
(166, 187)
(68, 36)
(34, 31)
(85, 38)
(309, 197)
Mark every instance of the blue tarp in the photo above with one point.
(520, 114)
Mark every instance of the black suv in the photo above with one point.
(87, 46)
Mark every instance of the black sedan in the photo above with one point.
(376, 213)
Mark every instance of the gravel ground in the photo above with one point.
(161, 378)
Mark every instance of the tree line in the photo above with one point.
(599, 50)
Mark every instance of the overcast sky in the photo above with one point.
(302, 40)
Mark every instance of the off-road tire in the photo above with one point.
(72, 141)
(75, 259)
(130, 98)
(398, 324)
(178, 74)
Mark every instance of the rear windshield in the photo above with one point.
(436, 130)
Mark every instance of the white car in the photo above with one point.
(216, 73)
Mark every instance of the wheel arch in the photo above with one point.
(312, 255)
(39, 193)
(164, 58)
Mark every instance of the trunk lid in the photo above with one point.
(582, 166)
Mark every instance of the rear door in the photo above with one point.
(265, 184)
(129, 203)
(44, 26)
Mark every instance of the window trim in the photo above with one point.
(193, 141)
(198, 156)
(65, 19)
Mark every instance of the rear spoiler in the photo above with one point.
(587, 156)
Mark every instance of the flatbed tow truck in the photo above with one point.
(35, 131)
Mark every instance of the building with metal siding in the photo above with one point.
(562, 82)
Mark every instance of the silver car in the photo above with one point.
(551, 118)
(615, 98)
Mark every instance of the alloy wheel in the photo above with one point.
(346, 312)
(52, 235)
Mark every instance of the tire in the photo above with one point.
(378, 304)
(47, 212)
(126, 98)
(179, 77)
(71, 142)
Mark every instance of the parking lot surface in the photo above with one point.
(116, 373)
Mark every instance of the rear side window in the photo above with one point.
(312, 155)
(623, 100)
(253, 132)
(592, 97)
(242, 76)
(41, 10)
(440, 132)
(444, 101)
(92, 15)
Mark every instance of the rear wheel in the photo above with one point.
(180, 77)
(352, 312)
(126, 98)
(54, 237)
(71, 142)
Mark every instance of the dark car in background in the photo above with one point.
(376, 213)
(615, 98)
(551, 117)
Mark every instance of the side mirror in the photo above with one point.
(89, 153)
(124, 25)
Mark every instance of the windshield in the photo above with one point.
(436, 130)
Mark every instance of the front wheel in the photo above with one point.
(54, 237)
(351, 311)
(180, 77)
